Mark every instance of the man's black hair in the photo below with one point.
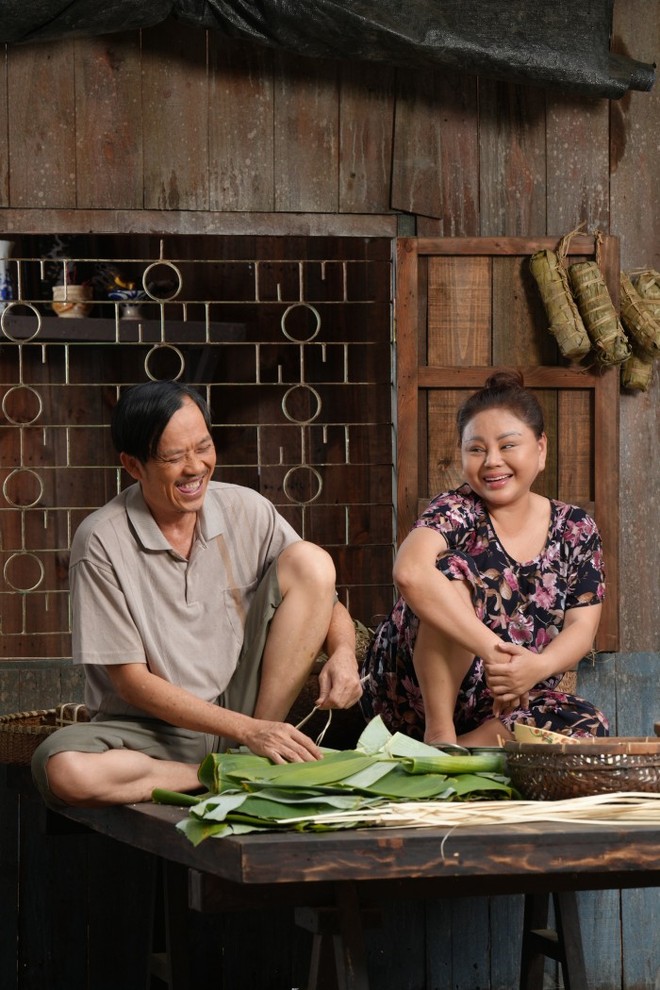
(143, 412)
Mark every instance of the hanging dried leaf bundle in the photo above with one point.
(637, 371)
(640, 325)
(565, 322)
(647, 284)
(593, 300)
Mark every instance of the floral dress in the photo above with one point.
(523, 603)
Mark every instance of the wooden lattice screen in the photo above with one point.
(288, 338)
(464, 306)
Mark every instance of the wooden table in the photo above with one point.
(337, 878)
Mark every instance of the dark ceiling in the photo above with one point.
(563, 43)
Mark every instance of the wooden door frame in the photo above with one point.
(413, 377)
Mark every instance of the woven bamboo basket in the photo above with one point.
(21, 732)
(555, 772)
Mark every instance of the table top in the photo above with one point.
(601, 855)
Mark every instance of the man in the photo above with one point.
(197, 614)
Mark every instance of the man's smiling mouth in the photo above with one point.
(190, 487)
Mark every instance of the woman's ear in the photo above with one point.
(543, 450)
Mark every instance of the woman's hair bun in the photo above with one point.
(507, 378)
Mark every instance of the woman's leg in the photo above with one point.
(440, 664)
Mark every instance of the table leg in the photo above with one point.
(563, 945)
(570, 941)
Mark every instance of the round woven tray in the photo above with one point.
(553, 772)
(21, 732)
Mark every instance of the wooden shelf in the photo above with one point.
(85, 330)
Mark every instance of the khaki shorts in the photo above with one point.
(159, 739)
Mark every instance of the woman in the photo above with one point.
(501, 592)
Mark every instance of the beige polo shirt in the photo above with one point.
(136, 600)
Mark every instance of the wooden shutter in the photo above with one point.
(466, 305)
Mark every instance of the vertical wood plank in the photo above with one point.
(42, 130)
(175, 117)
(606, 493)
(519, 320)
(578, 176)
(9, 890)
(306, 134)
(635, 217)
(407, 330)
(444, 468)
(640, 912)
(240, 125)
(108, 122)
(366, 119)
(459, 311)
(512, 159)
(435, 169)
(52, 924)
(627, 688)
(4, 131)
(599, 911)
(506, 925)
(575, 440)
(470, 943)
(402, 926)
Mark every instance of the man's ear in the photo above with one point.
(132, 465)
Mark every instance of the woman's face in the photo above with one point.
(501, 456)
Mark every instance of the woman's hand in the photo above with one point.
(510, 676)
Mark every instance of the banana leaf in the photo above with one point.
(341, 790)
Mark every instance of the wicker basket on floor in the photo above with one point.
(554, 772)
(21, 732)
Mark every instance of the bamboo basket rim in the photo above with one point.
(609, 745)
(17, 720)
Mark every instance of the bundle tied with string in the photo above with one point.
(640, 325)
(647, 283)
(640, 315)
(593, 300)
(637, 371)
(565, 323)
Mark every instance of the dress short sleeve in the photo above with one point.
(586, 575)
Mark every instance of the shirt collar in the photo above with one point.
(210, 522)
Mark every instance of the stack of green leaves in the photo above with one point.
(248, 793)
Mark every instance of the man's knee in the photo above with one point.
(306, 562)
(72, 777)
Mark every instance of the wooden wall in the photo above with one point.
(175, 130)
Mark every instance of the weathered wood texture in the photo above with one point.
(453, 325)
(165, 131)
(635, 216)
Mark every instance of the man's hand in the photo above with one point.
(280, 742)
(339, 680)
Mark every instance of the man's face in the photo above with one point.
(174, 482)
